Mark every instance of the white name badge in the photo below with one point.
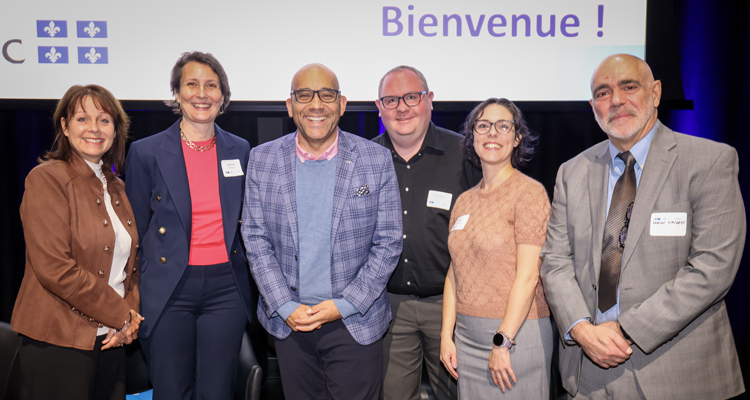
(441, 200)
(460, 222)
(231, 168)
(669, 224)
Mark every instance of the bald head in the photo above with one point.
(623, 62)
(315, 72)
(624, 96)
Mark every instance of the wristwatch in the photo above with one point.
(502, 340)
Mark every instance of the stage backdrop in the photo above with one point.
(548, 47)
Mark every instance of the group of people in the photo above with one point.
(373, 258)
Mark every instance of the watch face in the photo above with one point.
(498, 339)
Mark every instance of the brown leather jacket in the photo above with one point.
(65, 292)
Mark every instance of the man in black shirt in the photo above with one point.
(432, 172)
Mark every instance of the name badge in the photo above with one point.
(436, 199)
(231, 168)
(669, 224)
(460, 222)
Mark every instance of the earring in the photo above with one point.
(222, 109)
(178, 107)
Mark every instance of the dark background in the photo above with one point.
(700, 50)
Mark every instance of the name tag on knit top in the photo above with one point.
(441, 200)
(669, 224)
(460, 222)
(231, 168)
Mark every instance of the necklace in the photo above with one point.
(196, 147)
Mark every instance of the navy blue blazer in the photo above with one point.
(157, 186)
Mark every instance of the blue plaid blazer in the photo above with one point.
(366, 232)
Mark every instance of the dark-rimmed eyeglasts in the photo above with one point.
(307, 95)
(502, 126)
(410, 99)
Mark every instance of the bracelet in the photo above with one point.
(513, 342)
(126, 324)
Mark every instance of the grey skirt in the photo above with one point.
(531, 359)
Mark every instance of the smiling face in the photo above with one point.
(90, 130)
(317, 122)
(404, 120)
(200, 94)
(493, 148)
(624, 99)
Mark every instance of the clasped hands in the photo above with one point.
(308, 318)
(125, 336)
(604, 344)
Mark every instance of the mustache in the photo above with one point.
(619, 112)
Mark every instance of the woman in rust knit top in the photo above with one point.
(186, 185)
(493, 297)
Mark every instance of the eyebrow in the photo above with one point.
(629, 81)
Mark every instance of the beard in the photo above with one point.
(631, 127)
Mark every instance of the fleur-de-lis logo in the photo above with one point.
(52, 29)
(92, 30)
(53, 55)
(92, 55)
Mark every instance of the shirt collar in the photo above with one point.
(327, 155)
(639, 150)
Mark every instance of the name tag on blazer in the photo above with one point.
(460, 222)
(231, 168)
(437, 199)
(669, 224)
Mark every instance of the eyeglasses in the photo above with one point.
(502, 126)
(410, 99)
(624, 230)
(307, 95)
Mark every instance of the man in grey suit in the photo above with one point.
(644, 242)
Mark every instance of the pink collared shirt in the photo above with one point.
(328, 154)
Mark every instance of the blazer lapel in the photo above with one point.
(230, 188)
(347, 158)
(658, 164)
(287, 163)
(172, 167)
(598, 175)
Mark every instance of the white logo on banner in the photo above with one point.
(92, 55)
(53, 55)
(52, 30)
(92, 30)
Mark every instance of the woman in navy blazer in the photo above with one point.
(186, 185)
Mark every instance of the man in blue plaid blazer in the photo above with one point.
(322, 228)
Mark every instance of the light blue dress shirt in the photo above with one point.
(617, 167)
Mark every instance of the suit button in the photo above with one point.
(593, 286)
(137, 246)
(117, 202)
(99, 202)
(240, 222)
(91, 319)
(101, 272)
(129, 222)
(100, 325)
(295, 257)
(105, 222)
(158, 198)
(294, 289)
(162, 230)
(73, 308)
(234, 251)
(106, 248)
(135, 269)
(163, 260)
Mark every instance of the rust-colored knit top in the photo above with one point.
(484, 251)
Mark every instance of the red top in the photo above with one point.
(207, 237)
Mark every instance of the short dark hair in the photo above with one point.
(403, 68)
(521, 153)
(104, 100)
(205, 59)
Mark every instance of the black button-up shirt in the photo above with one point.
(438, 166)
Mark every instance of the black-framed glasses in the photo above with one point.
(624, 230)
(410, 99)
(307, 95)
(502, 126)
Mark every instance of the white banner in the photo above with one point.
(468, 50)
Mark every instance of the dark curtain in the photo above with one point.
(712, 48)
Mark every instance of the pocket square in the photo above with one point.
(363, 190)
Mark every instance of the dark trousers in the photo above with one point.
(329, 364)
(61, 373)
(193, 350)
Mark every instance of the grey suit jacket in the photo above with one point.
(671, 287)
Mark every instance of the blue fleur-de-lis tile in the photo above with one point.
(91, 29)
(53, 54)
(93, 55)
(46, 28)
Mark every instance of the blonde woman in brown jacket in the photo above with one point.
(77, 304)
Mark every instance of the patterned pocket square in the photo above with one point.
(365, 189)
